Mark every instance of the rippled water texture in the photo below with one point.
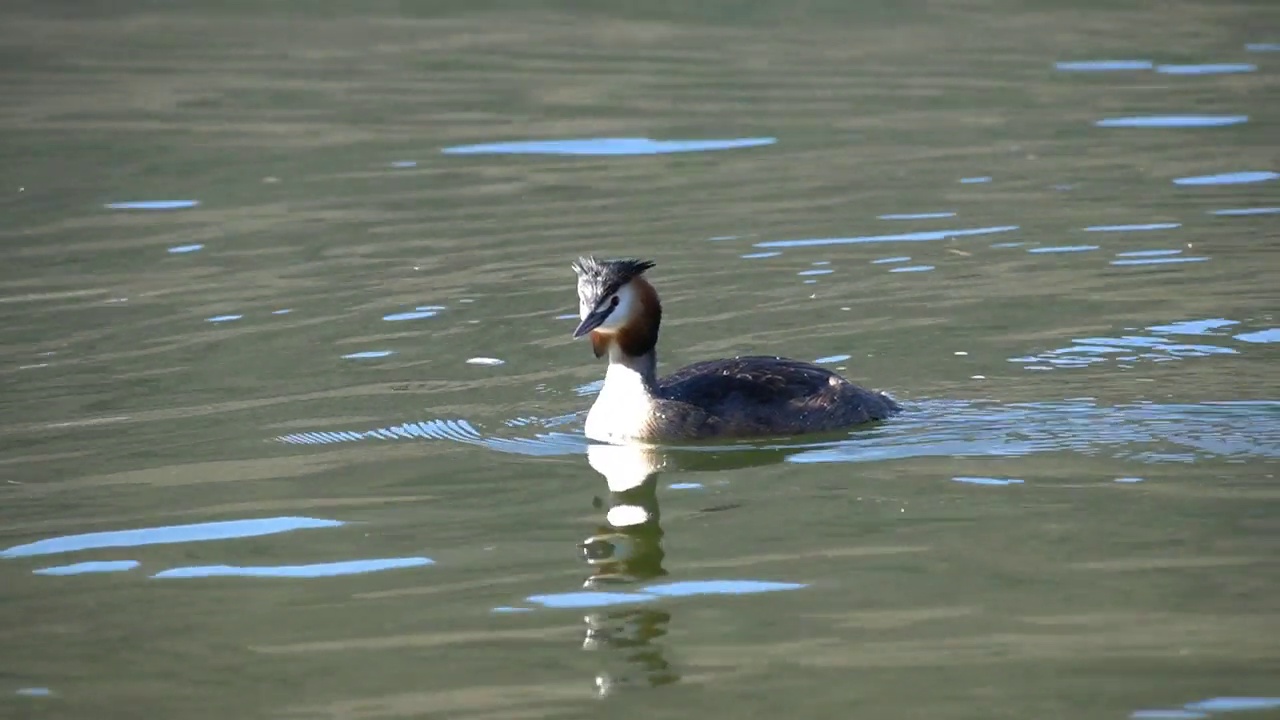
(291, 423)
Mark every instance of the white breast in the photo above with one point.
(623, 407)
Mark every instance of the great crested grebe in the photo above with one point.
(739, 397)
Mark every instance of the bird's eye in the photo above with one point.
(613, 301)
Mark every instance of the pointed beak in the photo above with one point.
(591, 321)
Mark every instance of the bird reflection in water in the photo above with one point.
(626, 549)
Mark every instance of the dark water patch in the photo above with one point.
(1207, 69)
(84, 568)
(917, 216)
(153, 204)
(1231, 178)
(607, 146)
(196, 532)
(183, 249)
(1103, 65)
(314, 570)
(1061, 249)
(1172, 121)
(1236, 212)
(922, 236)
(1133, 228)
(1159, 260)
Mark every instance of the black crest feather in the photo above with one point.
(606, 276)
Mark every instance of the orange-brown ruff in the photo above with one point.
(741, 397)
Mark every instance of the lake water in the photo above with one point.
(292, 423)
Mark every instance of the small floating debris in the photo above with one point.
(606, 146)
(34, 692)
(1233, 178)
(911, 269)
(892, 260)
(368, 354)
(916, 216)
(831, 359)
(816, 271)
(180, 249)
(759, 255)
(223, 318)
(1128, 480)
(685, 486)
(975, 180)
(1207, 69)
(1132, 228)
(282, 311)
(1172, 121)
(987, 480)
(1103, 65)
(485, 361)
(153, 204)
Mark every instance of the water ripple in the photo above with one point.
(153, 204)
(1172, 121)
(922, 236)
(1207, 69)
(606, 146)
(1132, 228)
(197, 532)
(1103, 65)
(1231, 178)
(315, 570)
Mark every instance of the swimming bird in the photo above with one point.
(740, 397)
